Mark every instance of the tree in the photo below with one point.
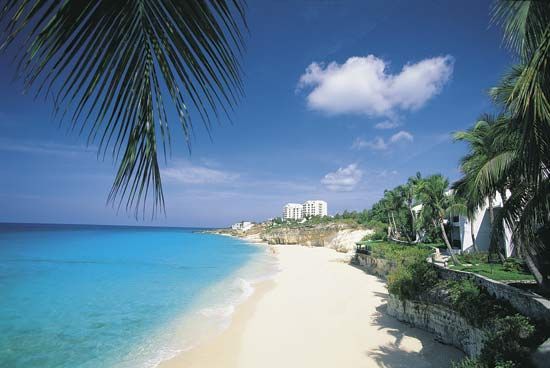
(432, 192)
(109, 66)
(490, 151)
(524, 95)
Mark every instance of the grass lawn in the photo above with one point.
(495, 271)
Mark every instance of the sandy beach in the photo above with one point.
(317, 312)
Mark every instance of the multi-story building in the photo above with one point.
(461, 229)
(292, 211)
(296, 211)
(314, 208)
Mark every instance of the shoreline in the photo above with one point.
(317, 311)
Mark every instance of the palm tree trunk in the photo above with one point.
(492, 221)
(394, 225)
(533, 268)
(413, 227)
(447, 243)
(474, 245)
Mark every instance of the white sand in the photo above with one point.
(318, 312)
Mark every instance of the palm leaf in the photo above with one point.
(110, 66)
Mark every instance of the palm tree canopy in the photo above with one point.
(110, 66)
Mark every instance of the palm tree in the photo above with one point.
(485, 168)
(436, 204)
(109, 66)
(524, 94)
(410, 195)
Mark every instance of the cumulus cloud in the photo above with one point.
(192, 174)
(345, 179)
(363, 85)
(379, 144)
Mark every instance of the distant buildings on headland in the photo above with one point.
(242, 226)
(297, 211)
(291, 211)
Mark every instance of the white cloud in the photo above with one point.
(401, 136)
(362, 85)
(345, 179)
(387, 124)
(379, 144)
(192, 174)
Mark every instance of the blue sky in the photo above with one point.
(343, 99)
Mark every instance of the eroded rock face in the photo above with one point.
(446, 324)
(337, 237)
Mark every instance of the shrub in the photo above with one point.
(473, 258)
(468, 363)
(513, 265)
(408, 281)
(508, 341)
(476, 363)
(379, 228)
(474, 303)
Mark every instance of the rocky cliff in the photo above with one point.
(340, 236)
(446, 324)
(337, 236)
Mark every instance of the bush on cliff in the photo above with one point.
(408, 281)
(400, 253)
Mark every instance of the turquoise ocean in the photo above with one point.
(109, 296)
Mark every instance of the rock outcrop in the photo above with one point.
(446, 324)
(336, 236)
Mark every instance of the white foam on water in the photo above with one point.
(213, 310)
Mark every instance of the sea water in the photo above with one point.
(98, 296)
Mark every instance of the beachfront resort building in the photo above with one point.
(461, 229)
(242, 226)
(297, 211)
(314, 208)
(292, 211)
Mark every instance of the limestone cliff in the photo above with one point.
(332, 235)
(340, 236)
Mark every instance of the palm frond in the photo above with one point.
(111, 65)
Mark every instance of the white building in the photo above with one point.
(242, 226)
(461, 229)
(314, 208)
(292, 211)
(296, 211)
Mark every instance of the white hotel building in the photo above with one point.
(296, 211)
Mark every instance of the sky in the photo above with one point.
(343, 99)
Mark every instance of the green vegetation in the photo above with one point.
(508, 346)
(399, 253)
(410, 280)
(511, 335)
(513, 269)
(312, 222)
(496, 272)
(509, 154)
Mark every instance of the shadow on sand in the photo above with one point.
(431, 354)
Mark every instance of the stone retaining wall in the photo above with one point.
(375, 266)
(528, 304)
(449, 327)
